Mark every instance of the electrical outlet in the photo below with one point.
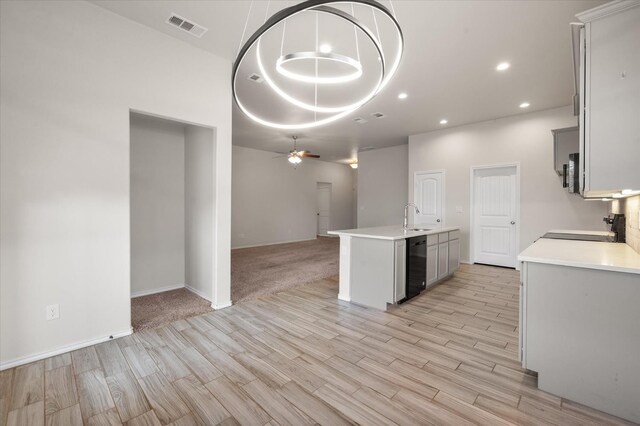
(53, 312)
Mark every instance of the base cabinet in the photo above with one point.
(579, 331)
(400, 281)
(443, 260)
(443, 256)
(432, 264)
(454, 255)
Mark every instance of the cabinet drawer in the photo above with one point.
(454, 235)
(432, 239)
(443, 238)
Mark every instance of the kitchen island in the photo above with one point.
(579, 322)
(373, 262)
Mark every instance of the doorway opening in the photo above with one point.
(323, 200)
(172, 208)
(495, 214)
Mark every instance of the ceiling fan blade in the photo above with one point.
(308, 155)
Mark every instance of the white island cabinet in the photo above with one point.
(579, 322)
(373, 262)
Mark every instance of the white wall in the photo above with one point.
(275, 203)
(523, 138)
(70, 72)
(382, 186)
(199, 204)
(157, 205)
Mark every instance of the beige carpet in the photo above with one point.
(257, 271)
(162, 308)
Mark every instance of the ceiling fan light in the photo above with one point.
(354, 165)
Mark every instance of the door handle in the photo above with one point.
(437, 220)
(513, 222)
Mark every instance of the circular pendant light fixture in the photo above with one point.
(298, 56)
(295, 80)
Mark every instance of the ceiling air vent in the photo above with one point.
(359, 120)
(255, 77)
(186, 25)
(377, 115)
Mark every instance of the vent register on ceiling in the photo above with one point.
(316, 62)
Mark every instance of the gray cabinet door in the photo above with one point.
(400, 270)
(612, 102)
(443, 260)
(432, 264)
(454, 255)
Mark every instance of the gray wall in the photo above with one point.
(199, 204)
(275, 203)
(70, 72)
(382, 186)
(157, 205)
(523, 138)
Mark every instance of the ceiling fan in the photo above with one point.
(295, 157)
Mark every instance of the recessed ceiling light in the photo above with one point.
(443, 121)
(325, 48)
(524, 105)
(402, 96)
(502, 66)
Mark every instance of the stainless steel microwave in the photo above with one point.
(573, 173)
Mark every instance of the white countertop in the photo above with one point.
(395, 232)
(582, 232)
(616, 257)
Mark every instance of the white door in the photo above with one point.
(495, 211)
(427, 194)
(324, 207)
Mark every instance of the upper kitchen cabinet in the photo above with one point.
(610, 98)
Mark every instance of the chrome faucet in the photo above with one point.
(405, 224)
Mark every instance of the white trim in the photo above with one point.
(197, 292)
(471, 204)
(343, 297)
(606, 9)
(443, 200)
(276, 243)
(221, 305)
(157, 290)
(43, 355)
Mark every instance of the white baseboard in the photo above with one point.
(43, 355)
(156, 290)
(221, 305)
(274, 244)
(198, 292)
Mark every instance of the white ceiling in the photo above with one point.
(448, 67)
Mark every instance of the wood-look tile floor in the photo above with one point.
(303, 357)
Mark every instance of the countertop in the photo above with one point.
(616, 257)
(582, 232)
(395, 232)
